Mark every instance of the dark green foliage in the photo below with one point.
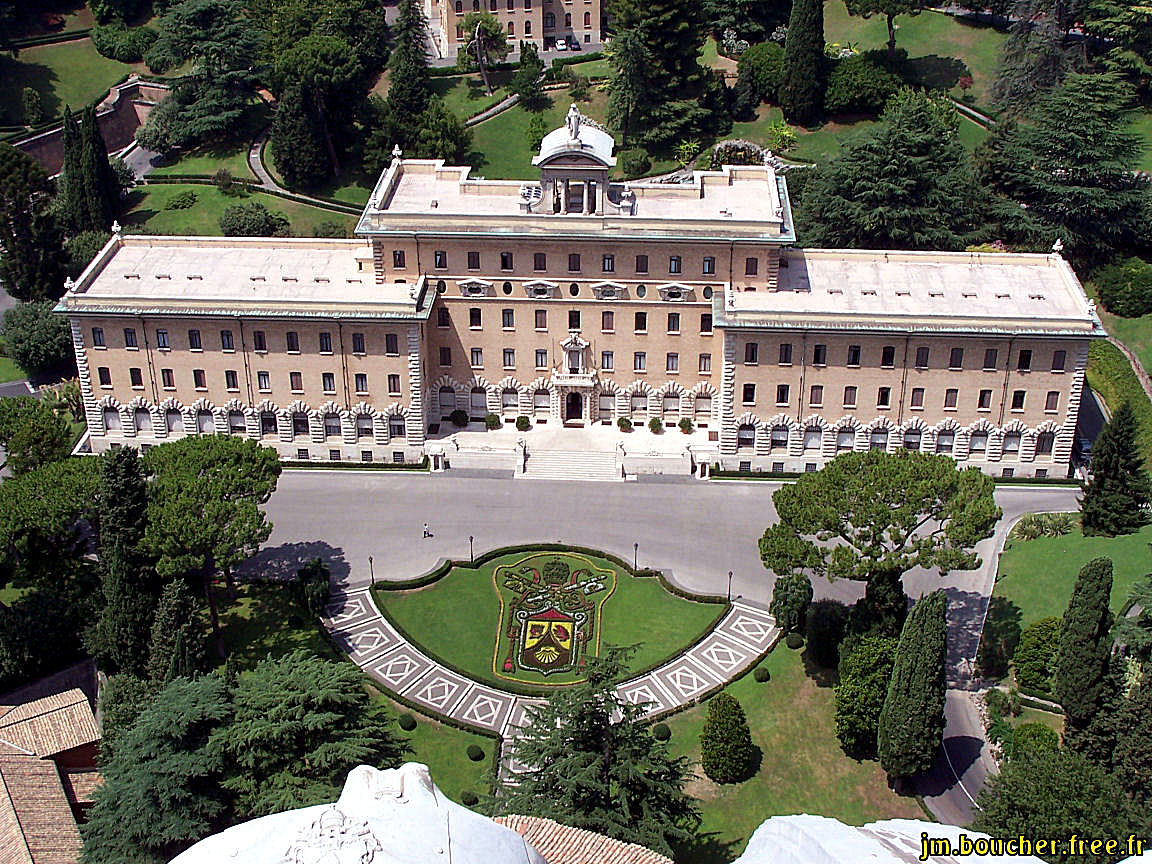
(312, 587)
(726, 751)
(162, 788)
(1035, 656)
(859, 84)
(124, 697)
(253, 219)
(1126, 287)
(176, 647)
(1081, 663)
(182, 200)
(751, 20)
(883, 607)
(330, 229)
(1000, 637)
(911, 725)
(39, 633)
(297, 141)
(865, 667)
(409, 92)
(406, 722)
(82, 248)
(1132, 757)
(475, 753)
(31, 252)
(761, 67)
(795, 641)
(824, 631)
(73, 208)
(31, 435)
(105, 11)
(1056, 794)
(1125, 24)
(889, 9)
(661, 732)
(761, 675)
(801, 91)
(790, 598)
(101, 190)
(523, 424)
(1116, 497)
(32, 105)
(655, 425)
(469, 798)
(492, 421)
(635, 163)
(459, 418)
(37, 339)
(1033, 60)
(301, 723)
(527, 81)
(1033, 737)
(1134, 631)
(437, 133)
(126, 44)
(585, 745)
(486, 44)
(536, 130)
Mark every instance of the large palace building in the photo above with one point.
(574, 301)
(578, 24)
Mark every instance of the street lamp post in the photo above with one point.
(372, 570)
(635, 556)
(729, 586)
(471, 554)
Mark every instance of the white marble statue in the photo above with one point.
(574, 119)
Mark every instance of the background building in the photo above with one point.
(577, 23)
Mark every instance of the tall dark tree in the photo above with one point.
(73, 207)
(751, 20)
(527, 83)
(409, 90)
(727, 754)
(585, 747)
(1034, 58)
(911, 726)
(628, 88)
(791, 595)
(865, 667)
(1132, 755)
(1118, 493)
(176, 647)
(802, 90)
(1084, 647)
(31, 243)
(297, 141)
(101, 190)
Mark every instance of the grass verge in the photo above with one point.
(1112, 377)
(66, 73)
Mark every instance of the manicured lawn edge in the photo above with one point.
(1111, 375)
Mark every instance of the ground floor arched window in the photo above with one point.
(746, 435)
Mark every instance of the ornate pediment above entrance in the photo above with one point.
(574, 343)
(541, 288)
(608, 290)
(676, 291)
(475, 287)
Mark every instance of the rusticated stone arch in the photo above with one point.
(885, 423)
(832, 434)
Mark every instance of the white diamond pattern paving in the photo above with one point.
(743, 635)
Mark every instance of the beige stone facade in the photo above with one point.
(542, 22)
(579, 301)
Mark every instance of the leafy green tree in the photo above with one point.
(1118, 493)
(33, 107)
(123, 699)
(436, 134)
(1056, 794)
(873, 516)
(81, 248)
(629, 86)
(252, 219)
(527, 83)
(802, 88)
(31, 435)
(585, 746)
(487, 44)
(162, 787)
(1000, 638)
(790, 598)
(1084, 646)
(889, 9)
(297, 141)
(865, 667)
(409, 89)
(176, 647)
(39, 340)
(39, 633)
(537, 129)
(31, 250)
(911, 726)
(1035, 656)
(1126, 287)
(727, 754)
(1134, 632)
(301, 723)
(360, 23)
(1033, 60)
(752, 20)
(1127, 25)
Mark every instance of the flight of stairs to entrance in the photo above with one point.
(570, 465)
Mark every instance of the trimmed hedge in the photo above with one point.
(469, 798)
(726, 749)
(475, 752)
(761, 674)
(560, 62)
(794, 641)
(52, 38)
(406, 722)
(1035, 658)
(300, 465)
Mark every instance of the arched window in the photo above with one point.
(779, 437)
(878, 440)
(1044, 442)
(331, 425)
(670, 404)
(511, 28)
(236, 423)
(587, 19)
(703, 407)
(363, 426)
(549, 21)
(567, 19)
(1012, 443)
(174, 419)
(299, 423)
(447, 401)
(267, 422)
(746, 435)
(813, 437)
(845, 439)
(205, 423)
(541, 401)
(978, 443)
(638, 404)
(396, 426)
(945, 442)
(143, 420)
(509, 399)
(478, 402)
(111, 419)
(912, 439)
(607, 404)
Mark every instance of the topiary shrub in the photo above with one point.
(726, 752)
(1126, 288)
(685, 425)
(791, 596)
(761, 674)
(474, 752)
(459, 418)
(624, 424)
(523, 424)
(492, 421)
(406, 722)
(181, 200)
(469, 798)
(794, 641)
(661, 732)
(635, 163)
(1035, 658)
(33, 106)
(762, 68)
(827, 620)
(858, 84)
(655, 426)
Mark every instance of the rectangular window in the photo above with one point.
(751, 265)
(539, 262)
(673, 322)
(507, 319)
(505, 260)
(672, 363)
(917, 397)
(263, 382)
(391, 344)
(476, 356)
(105, 376)
(922, 358)
(1017, 400)
(194, 340)
(985, 400)
(888, 357)
(440, 259)
(541, 358)
(574, 262)
(295, 381)
(641, 322)
(639, 361)
(541, 319)
(748, 394)
(130, 337)
(1052, 401)
(328, 382)
(443, 318)
(706, 322)
(325, 343)
(393, 385)
(199, 379)
(474, 318)
(607, 322)
(782, 393)
(361, 382)
(1024, 361)
(473, 260)
(956, 358)
(398, 259)
(674, 264)
(358, 343)
(509, 358)
(607, 361)
(1059, 358)
(990, 357)
(445, 356)
(608, 263)
(135, 377)
(292, 342)
(162, 340)
(751, 352)
(785, 353)
(819, 355)
(816, 396)
(573, 319)
(850, 397)
(853, 355)
(709, 268)
(259, 341)
(230, 381)
(167, 379)
(98, 337)
(641, 263)
(884, 397)
(705, 363)
(950, 397)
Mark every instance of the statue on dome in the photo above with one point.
(574, 119)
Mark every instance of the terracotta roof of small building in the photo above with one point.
(80, 785)
(562, 844)
(48, 726)
(80, 675)
(36, 823)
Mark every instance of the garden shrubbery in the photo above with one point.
(726, 751)
(475, 753)
(311, 587)
(406, 722)
(253, 219)
(1126, 288)
(492, 421)
(624, 424)
(1035, 658)
(459, 418)
(1036, 525)
(859, 84)
(661, 732)
(761, 674)
(635, 163)
(181, 200)
(825, 627)
(655, 425)
(523, 424)
(126, 44)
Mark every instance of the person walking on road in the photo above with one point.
(427, 533)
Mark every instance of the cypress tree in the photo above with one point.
(75, 212)
(1116, 497)
(1084, 646)
(297, 141)
(726, 749)
(177, 646)
(95, 171)
(911, 724)
(802, 90)
(409, 90)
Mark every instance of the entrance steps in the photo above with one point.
(571, 465)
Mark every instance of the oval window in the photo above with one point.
(441, 286)
(507, 287)
(707, 292)
(641, 290)
(574, 289)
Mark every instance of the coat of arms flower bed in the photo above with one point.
(530, 619)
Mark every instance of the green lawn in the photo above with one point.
(145, 211)
(1111, 376)
(942, 47)
(803, 769)
(231, 154)
(9, 371)
(67, 73)
(458, 619)
(465, 96)
(1053, 721)
(443, 749)
(1038, 575)
(11, 594)
(354, 186)
(1142, 126)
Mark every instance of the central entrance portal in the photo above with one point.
(574, 407)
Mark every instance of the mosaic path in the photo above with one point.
(741, 637)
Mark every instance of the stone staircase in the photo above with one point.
(571, 465)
